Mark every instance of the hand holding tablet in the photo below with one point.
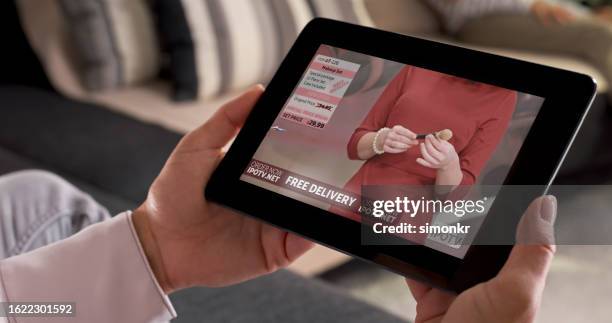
(182, 233)
(317, 97)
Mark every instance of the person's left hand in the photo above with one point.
(192, 242)
(512, 296)
(437, 154)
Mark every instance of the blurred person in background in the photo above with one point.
(579, 28)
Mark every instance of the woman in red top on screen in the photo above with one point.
(420, 101)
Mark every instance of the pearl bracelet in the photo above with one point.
(375, 141)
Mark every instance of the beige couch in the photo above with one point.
(150, 102)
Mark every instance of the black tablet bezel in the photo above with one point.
(567, 97)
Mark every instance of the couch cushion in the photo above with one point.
(178, 48)
(115, 153)
(231, 44)
(235, 43)
(115, 41)
(47, 33)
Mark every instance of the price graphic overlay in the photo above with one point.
(322, 88)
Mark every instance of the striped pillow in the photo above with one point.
(115, 41)
(236, 43)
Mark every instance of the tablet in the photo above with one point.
(316, 149)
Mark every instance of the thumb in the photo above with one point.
(225, 123)
(535, 245)
(517, 289)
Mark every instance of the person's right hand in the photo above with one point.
(190, 241)
(549, 14)
(514, 295)
(398, 139)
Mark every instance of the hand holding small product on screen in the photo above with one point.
(441, 155)
(395, 140)
(437, 153)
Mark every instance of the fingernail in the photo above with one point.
(548, 209)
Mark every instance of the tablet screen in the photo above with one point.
(354, 121)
